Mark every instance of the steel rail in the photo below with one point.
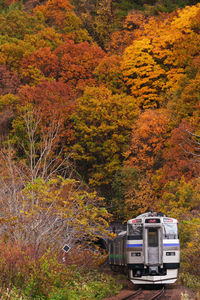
(158, 295)
(133, 295)
(140, 292)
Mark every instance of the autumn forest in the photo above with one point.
(99, 121)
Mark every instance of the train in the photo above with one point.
(149, 249)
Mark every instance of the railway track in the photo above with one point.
(141, 294)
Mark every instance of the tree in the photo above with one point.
(59, 13)
(12, 54)
(48, 213)
(180, 197)
(102, 124)
(5, 120)
(8, 103)
(38, 206)
(70, 63)
(97, 18)
(153, 65)
(109, 73)
(146, 75)
(178, 155)
(184, 101)
(17, 23)
(9, 82)
(145, 157)
(47, 37)
(148, 138)
(124, 37)
(50, 112)
(77, 63)
(39, 65)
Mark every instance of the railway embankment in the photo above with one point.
(130, 291)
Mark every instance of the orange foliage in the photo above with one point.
(154, 63)
(60, 14)
(147, 143)
(179, 159)
(55, 11)
(145, 155)
(141, 198)
(42, 60)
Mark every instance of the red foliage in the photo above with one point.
(52, 103)
(9, 81)
(16, 260)
(71, 63)
(42, 59)
(179, 158)
(77, 63)
(5, 118)
(9, 2)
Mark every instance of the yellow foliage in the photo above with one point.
(64, 202)
(152, 65)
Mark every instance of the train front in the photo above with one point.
(153, 249)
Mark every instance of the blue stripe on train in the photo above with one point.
(171, 245)
(140, 245)
(165, 245)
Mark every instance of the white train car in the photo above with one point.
(149, 249)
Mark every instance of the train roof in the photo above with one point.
(152, 216)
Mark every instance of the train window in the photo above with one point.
(170, 231)
(153, 237)
(135, 231)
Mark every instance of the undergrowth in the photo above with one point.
(25, 274)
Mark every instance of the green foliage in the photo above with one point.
(89, 288)
(185, 99)
(45, 277)
(8, 101)
(17, 23)
(7, 6)
(189, 281)
(109, 73)
(121, 9)
(125, 179)
(177, 196)
(164, 6)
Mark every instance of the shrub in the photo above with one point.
(27, 274)
(189, 281)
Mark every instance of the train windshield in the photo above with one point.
(170, 231)
(135, 231)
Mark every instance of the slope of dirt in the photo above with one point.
(172, 292)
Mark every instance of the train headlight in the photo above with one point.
(170, 253)
(135, 254)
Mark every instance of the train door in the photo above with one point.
(153, 246)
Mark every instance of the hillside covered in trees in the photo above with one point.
(99, 121)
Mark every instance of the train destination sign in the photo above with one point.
(152, 221)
